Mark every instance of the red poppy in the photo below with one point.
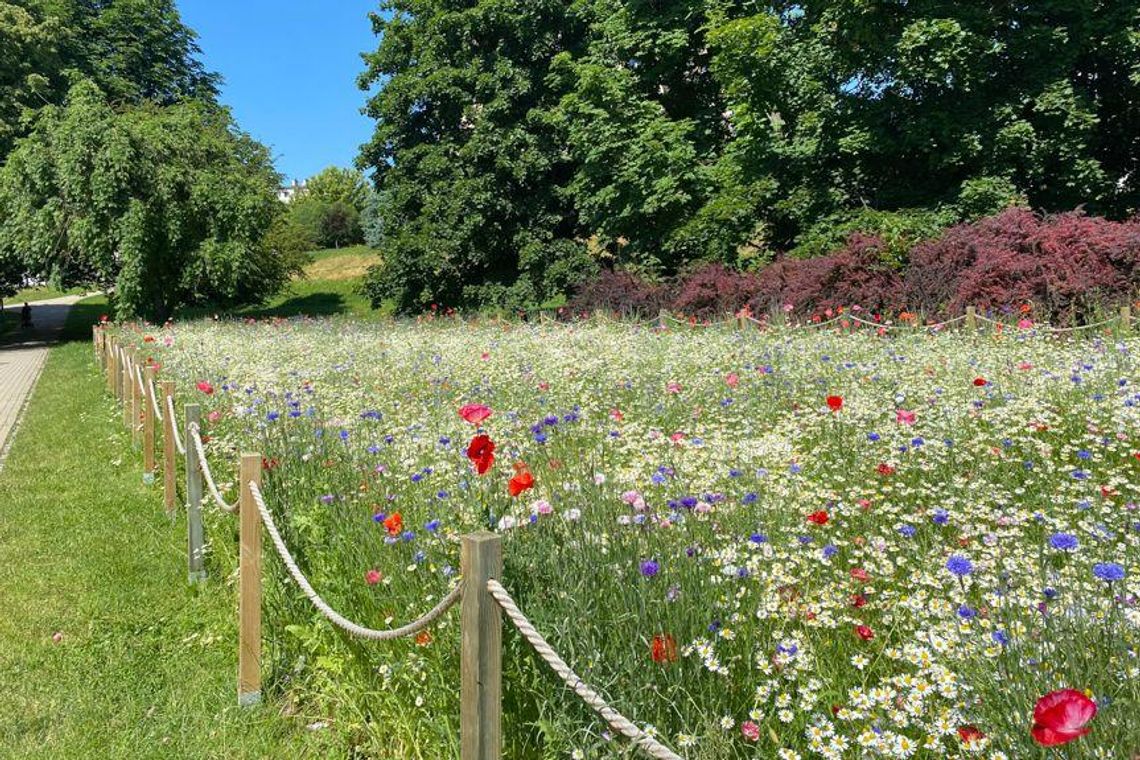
(979, 382)
(481, 451)
(522, 481)
(394, 523)
(835, 403)
(372, 577)
(885, 469)
(858, 600)
(663, 648)
(423, 638)
(206, 388)
(474, 413)
(970, 734)
(269, 464)
(864, 632)
(819, 518)
(860, 574)
(1060, 717)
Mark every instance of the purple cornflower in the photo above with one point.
(650, 568)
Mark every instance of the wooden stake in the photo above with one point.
(148, 427)
(1126, 317)
(480, 691)
(194, 534)
(169, 451)
(125, 396)
(249, 579)
(112, 369)
(136, 400)
(971, 318)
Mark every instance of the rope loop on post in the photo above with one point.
(208, 476)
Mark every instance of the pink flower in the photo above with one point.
(372, 577)
(904, 417)
(673, 387)
(1060, 717)
(57, 637)
(732, 379)
(214, 416)
(750, 731)
(1024, 323)
(475, 413)
(788, 307)
(206, 388)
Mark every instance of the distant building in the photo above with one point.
(289, 192)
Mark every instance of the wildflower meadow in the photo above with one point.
(826, 542)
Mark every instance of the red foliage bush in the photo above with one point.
(1064, 266)
(712, 291)
(619, 292)
(855, 275)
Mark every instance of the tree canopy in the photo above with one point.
(134, 50)
(522, 143)
(166, 204)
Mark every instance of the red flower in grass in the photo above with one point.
(481, 452)
(860, 574)
(885, 469)
(818, 518)
(864, 632)
(474, 413)
(663, 648)
(372, 577)
(394, 523)
(970, 734)
(835, 403)
(980, 382)
(522, 481)
(206, 388)
(1060, 717)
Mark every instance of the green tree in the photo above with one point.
(334, 184)
(167, 205)
(135, 50)
(470, 164)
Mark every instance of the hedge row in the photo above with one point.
(1063, 268)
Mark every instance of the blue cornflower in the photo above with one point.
(758, 538)
(1084, 454)
(965, 612)
(959, 565)
(1108, 571)
(344, 435)
(748, 498)
(1000, 637)
(941, 517)
(273, 416)
(907, 530)
(872, 437)
(650, 568)
(830, 551)
(1066, 542)
(432, 526)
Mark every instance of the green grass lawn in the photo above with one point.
(331, 286)
(146, 666)
(42, 293)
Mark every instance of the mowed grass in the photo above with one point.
(146, 664)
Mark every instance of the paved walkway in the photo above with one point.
(22, 355)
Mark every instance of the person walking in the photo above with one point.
(26, 315)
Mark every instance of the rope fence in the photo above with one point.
(481, 595)
(334, 617)
(593, 700)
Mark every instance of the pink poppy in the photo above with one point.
(904, 417)
(475, 413)
(372, 577)
(750, 731)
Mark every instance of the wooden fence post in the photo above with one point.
(662, 318)
(148, 427)
(1126, 318)
(136, 399)
(127, 384)
(169, 451)
(249, 582)
(971, 318)
(194, 535)
(112, 369)
(481, 634)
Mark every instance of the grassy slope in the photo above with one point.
(331, 286)
(147, 664)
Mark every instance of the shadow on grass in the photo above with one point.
(80, 319)
(311, 305)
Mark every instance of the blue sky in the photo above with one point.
(290, 70)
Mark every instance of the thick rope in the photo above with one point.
(138, 377)
(154, 401)
(322, 606)
(617, 721)
(204, 464)
(174, 428)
